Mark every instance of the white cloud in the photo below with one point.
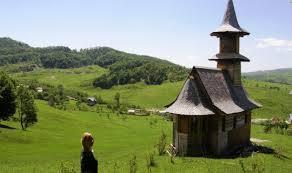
(279, 44)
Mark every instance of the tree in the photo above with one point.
(26, 107)
(7, 97)
(117, 99)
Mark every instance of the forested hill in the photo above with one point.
(283, 75)
(123, 67)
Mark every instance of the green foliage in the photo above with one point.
(131, 71)
(161, 145)
(279, 126)
(154, 74)
(133, 164)
(7, 96)
(67, 167)
(117, 100)
(56, 138)
(26, 107)
(150, 161)
(255, 167)
(124, 68)
(283, 76)
(57, 97)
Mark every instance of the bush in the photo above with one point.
(133, 164)
(161, 145)
(67, 167)
(150, 162)
(279, 126)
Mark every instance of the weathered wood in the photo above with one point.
(212, 113)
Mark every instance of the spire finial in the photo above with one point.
(230, 16)
(230, 23)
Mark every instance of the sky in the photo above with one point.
(175, 30)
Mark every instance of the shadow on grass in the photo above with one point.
(249, 150)
(6, 127)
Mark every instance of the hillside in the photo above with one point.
(276, 76)
(123, 68)
(55, 140)
(274, 97)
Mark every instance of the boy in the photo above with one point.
(88, 163)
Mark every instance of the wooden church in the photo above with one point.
(212, 113)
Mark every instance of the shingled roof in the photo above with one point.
(190, 101)
(230, 23)
(211, 91)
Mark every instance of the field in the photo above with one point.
(56, 139)
(274, 97)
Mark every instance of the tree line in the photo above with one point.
(124, 68)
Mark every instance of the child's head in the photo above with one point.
(87, 141)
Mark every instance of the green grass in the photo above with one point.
(283, 75)
(56, 138)
(75, 78)
(274, 97)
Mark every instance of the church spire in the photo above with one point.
(230, 23)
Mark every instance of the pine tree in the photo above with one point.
(7, 97)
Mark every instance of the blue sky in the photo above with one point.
(176, 30)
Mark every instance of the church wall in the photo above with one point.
(218, 135)
(240, 135)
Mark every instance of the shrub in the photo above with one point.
(150, 162)
(133, 164)
(67, 167)
(161, 145)
(279, 126)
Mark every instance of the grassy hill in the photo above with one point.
(274, 97)
(56, 139)
(122, 68)
(276, 76)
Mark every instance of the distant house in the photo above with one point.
(162, 112)
(139, 112)
(39, 89)
(91, 101)
(290, 118)
(131, 111)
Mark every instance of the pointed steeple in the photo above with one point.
(230, 23)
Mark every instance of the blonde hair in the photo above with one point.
(87, 141)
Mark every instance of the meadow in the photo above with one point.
(274, 97)
(55, 140)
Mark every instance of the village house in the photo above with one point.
(39, 89)
(91, 101)
(212, 113)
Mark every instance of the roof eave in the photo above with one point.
(240, 33)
